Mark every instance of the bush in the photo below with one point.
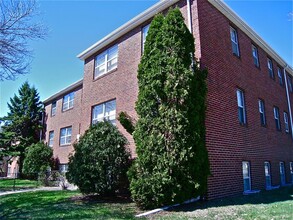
(38, 159)
(100, 160)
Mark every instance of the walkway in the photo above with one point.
(30, 190)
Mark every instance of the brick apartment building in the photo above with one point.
(249, 133)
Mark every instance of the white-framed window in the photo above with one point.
(246, 176)
(63, 168)
(290, 83)
(270, 67)
(106, 61)
(286, 122)
(277, 118)
(51, 139)
(65, 136)
(291, 171)
(234, 40)
(53, 108)
(261, 108)
(145, 30)
(104, 112)
(282, 174)
(241, 106)
(68, 101)
(255, 56)
(280, 76)
(268, 175)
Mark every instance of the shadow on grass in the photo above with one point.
(264, 197)
(17, 184)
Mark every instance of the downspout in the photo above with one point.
(190, 29)
(288, 99)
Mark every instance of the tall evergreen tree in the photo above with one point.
(172, 163)
(22, 124)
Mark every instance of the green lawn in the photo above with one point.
(7, 184)
(276, 204)
(62, 205)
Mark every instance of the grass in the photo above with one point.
(63, 205)
(7, 184)
(276, 204)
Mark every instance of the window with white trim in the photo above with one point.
(270, 67)
(51, 139)
(280, 76)
(277, 118)
(282, 174)
(261, 108)
(246, 176)
(106, 61)
(65, 136)
(145, 30)
(63, 168)
(255, 56)
(290, 86)
(241, 106)
(104, 112)
(53, 108)
(291, 171)
(268, 175)
(234, 41)
(286, 122)
(68, 101)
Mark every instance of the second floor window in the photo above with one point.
(277, 118)
(241, 106)
(145, 30)
(290, 86)
(104, 112)
(65, 136)
(270, 67)
(255, 56)
(280, 76)
(51, 139)
(261, 107)
(286, 122)
(234, 41)
(106, 61)
(53, 108)
(68, 101)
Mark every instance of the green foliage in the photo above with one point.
(100, 160)
(38, 158)
(126, 121)
(22, 124)
(172, 163)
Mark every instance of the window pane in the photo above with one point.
(100, 59)
(239, 98)
(113, 52)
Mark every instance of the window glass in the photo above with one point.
(105, 111)
(51, 138)
(241, 107)
(234, 41)
(255, 56)
(68, 101)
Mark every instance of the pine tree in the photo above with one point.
(22, 124)
(172, 161)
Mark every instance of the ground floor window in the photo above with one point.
(282, 174)
(63, 168)
(291, 171)
(246, 176)
(268, 175)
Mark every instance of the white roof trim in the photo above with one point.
(136, 21)
(233, 17)
(64, 91)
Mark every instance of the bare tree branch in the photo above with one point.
(17, 28)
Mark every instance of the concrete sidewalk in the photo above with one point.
(30, 190)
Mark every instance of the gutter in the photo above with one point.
(288, 99)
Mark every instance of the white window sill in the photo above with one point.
(248, 192)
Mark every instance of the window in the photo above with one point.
(53, 108)
(268, 175)
(246, 176)
(234, 40)
(63, 168)
(65, 136)
(145, 30)
(51, 139)
(255, 56)
(261, 108)
(290, 86)
(270, 67)
(105, 111)
(282, 174)
(286, 122)
(277, 118)
(291, 171)
(68, 101)
(106, 61)
(280, 76)
(241, 107)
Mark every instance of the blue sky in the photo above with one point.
(76, 25)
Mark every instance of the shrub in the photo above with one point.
(100, 160)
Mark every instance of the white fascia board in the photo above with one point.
(233, 17)
(133, 23)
